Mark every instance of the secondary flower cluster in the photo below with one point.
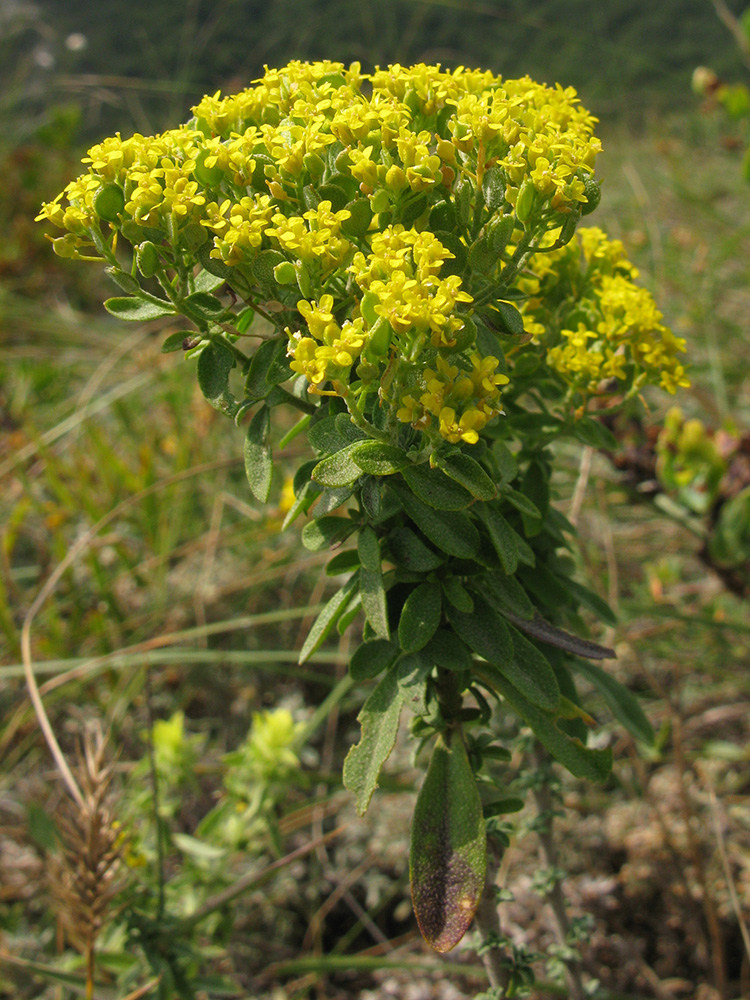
(380, 214)
(597, 324)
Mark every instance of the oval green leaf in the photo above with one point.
(448, 853)
(420, 617)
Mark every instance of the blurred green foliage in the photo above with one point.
(622, 55)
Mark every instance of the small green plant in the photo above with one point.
(397, 257)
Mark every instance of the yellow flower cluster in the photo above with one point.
(460, 401)
(277, 135)
(330, 351)
(401, 275)
(616, 330)
(363, 202)
(315, 237)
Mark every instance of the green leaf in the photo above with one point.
(359, 220)
(420, 617)
(593, 432)
(371, 587)
(175, 341)
(204, 306)
(332, 499)
(453, 532)
(622, 703)
(371, 497)
(339, 469)
(264, 264)
(500, 807)
(343, 562)
(198, 849)
(457, 594)
(326, 531)
(215, 362)
(506, 594)
(504, 539)
(379, 719)
(268, 368)
(207, 282)
(435, 489)
(506, 462)
(324, 437)
(446, 650)
(483, 630)
(531, 673)
(520, 502)
(258, 458)
(348, 429)
(548, 588)
(328, 617)
(379, 459)
(591, 765)
(591, 601)
(536, 489)
(448, 852)
(510, 318)
(409, 551)
(136, 310)
(371, 658)
(470, 474)
(412, 672)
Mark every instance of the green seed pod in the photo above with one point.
(207, 176)
(593, 192)
(525, 201)
(463, 204)
(380, 340)
(314, 165)
(285, 273)
(380, 201)
(343, 162)
(367, 308)
(493, 188)
(194, 235)
(147, 259)
(568, 228)
(109, 202)
(67, 246)
(304, 281)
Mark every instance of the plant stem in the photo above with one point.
(487, 920)
(545, 807)
(155, 793)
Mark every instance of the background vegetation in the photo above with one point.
(175, 626)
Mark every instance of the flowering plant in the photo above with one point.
(401, 251)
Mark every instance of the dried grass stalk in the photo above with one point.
(84, 877)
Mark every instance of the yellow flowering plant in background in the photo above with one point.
(397, 256)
